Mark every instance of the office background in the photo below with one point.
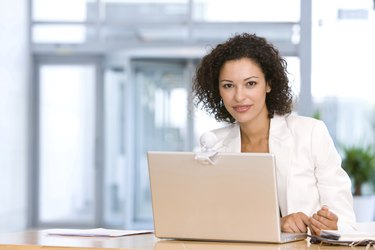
(88, 86)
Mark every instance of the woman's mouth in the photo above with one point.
(241, 108)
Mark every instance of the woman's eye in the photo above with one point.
(227, 85)
(251, 83)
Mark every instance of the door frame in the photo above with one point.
(34, 178)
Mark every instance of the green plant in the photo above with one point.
(317, 115)
(359, 163)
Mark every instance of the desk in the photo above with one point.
(39, 240)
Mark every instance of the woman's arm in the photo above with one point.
(333, 183)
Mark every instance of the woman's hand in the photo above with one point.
(295, 223)
(323, 219)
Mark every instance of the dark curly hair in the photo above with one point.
(206, 81)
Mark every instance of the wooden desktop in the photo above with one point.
(35, 240)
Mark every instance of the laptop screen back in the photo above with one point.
(233, 200)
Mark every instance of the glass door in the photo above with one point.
(161, 106)
(66, 144)
(116, 153)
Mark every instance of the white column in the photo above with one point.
(304, 105)
(14, 98)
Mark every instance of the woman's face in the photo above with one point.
(243, 88)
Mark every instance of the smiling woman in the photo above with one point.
(243, 81)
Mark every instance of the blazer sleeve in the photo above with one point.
(333, 183)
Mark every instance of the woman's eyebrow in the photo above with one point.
(250, 78)
(246, 79)
(224, 80)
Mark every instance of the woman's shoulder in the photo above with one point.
(223, 132)
(225, 138)
(298, 121)
(298, 124)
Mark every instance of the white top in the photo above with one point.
(309, 172)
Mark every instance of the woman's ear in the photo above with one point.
(268, 88)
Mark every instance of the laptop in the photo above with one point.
(231, 198)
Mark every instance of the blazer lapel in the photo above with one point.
(281, 145)
(232, 142)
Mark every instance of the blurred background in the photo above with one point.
(87, 87)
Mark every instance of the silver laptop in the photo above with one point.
(231, 198)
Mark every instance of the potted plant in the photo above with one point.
(359, 163)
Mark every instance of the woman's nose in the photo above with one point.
(239, 95)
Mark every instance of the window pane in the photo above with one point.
(247, 10)
(342, 76)
(59, 33)
(66, 156)
(133, 11)
(161, 122)
(59, 10)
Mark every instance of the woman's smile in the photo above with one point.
(241, 108)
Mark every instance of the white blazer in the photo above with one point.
(308, 166)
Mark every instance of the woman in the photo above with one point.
(244, 81)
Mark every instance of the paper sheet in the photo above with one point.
(353, 236)
(95, 232)
(362, 234)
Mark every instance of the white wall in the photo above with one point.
(14, 82)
